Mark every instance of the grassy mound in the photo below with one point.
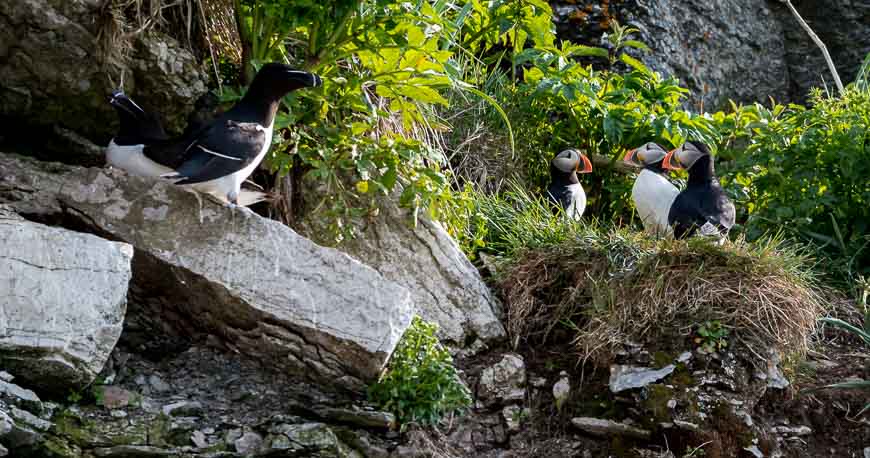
(606, 286)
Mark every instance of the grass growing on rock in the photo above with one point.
(608, 286)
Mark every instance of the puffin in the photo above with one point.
(652, 193)
(565, 191)
(702, 208)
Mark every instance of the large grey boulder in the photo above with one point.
(63, 302)
(251, 282)
(55, 73)
(447, 289)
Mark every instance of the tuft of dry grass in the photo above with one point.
(649, 291)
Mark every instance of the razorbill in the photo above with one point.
(565, 190)
(703, 206)
(221, 155)
(652, 193)
(138, 128)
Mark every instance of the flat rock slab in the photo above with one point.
(249, 281)
(64, 296)
(627, 377)
(600, 427)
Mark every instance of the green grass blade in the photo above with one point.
(498, 108)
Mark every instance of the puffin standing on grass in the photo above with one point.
(565, 189)
(652, 193)
(703, 206)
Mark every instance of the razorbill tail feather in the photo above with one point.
(565, 190)
(219, 157)
(703, 206)
(139, 128)
(652, 193)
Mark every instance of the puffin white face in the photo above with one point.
(685, 156)
(649, 153)
(569, 161)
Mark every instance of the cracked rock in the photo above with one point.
(600, 427)
(627, 377)
(505, 380)
(79, 281)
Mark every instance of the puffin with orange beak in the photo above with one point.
(565, 189)
(703, 206)
(652, 193)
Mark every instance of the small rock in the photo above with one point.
(600, 427)
(6, 376)
(24, 398)
(684, 357)
(688, 426)
(504, 380)
(233, 435)
(157, 384)
(115, 397)
(514, 416)
(183, 409)
(867, 452)
(792, 430)
(627, 377)
(119, 414)
(249, 443)
(126, 451)
(755, 451)
(140, 380)
(198, 439)
(362, 418)
(5, 423)
(3, 451)
(561, 390)
(29, 419)
(672, 404)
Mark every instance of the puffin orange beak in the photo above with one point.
(630, 156)
(587, 164)
(668, 163)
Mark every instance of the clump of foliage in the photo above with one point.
(712, 336)
(421, 385)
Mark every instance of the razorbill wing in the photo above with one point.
(223, 153)
(565, 190)
(652, 193)
(703, 206)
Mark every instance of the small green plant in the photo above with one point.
(421, 384)
(712, 336)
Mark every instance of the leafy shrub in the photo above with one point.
(421, 384)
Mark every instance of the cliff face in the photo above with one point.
(744, 50)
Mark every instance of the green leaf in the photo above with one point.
(636, 44)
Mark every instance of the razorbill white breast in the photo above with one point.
(652, 193)
(565, 190)
(702, 207)
(221, 155)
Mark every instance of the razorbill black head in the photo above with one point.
(565, 189)
(137, 126)
(649, 156)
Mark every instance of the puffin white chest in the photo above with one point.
(578, 201)
(653, 196)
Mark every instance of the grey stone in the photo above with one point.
(198, 439)
(133, 451)
(755, 451)
(5, 423)
(361, 418)
(600, 427)
(688, 426)
(867, 452)
(66, 296)
(792, 430)
(514, 417)
(119, 414)
(249, 443)
(446, 288)
(311, 437)
(157, 384)
(6, 376)
(628, 377)
(115, 397)
(39, 36)
(3, 451)
(561, 390)
(267, 291)
(15, 395)
(504, 380)
(27, 418)
(183, 409)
